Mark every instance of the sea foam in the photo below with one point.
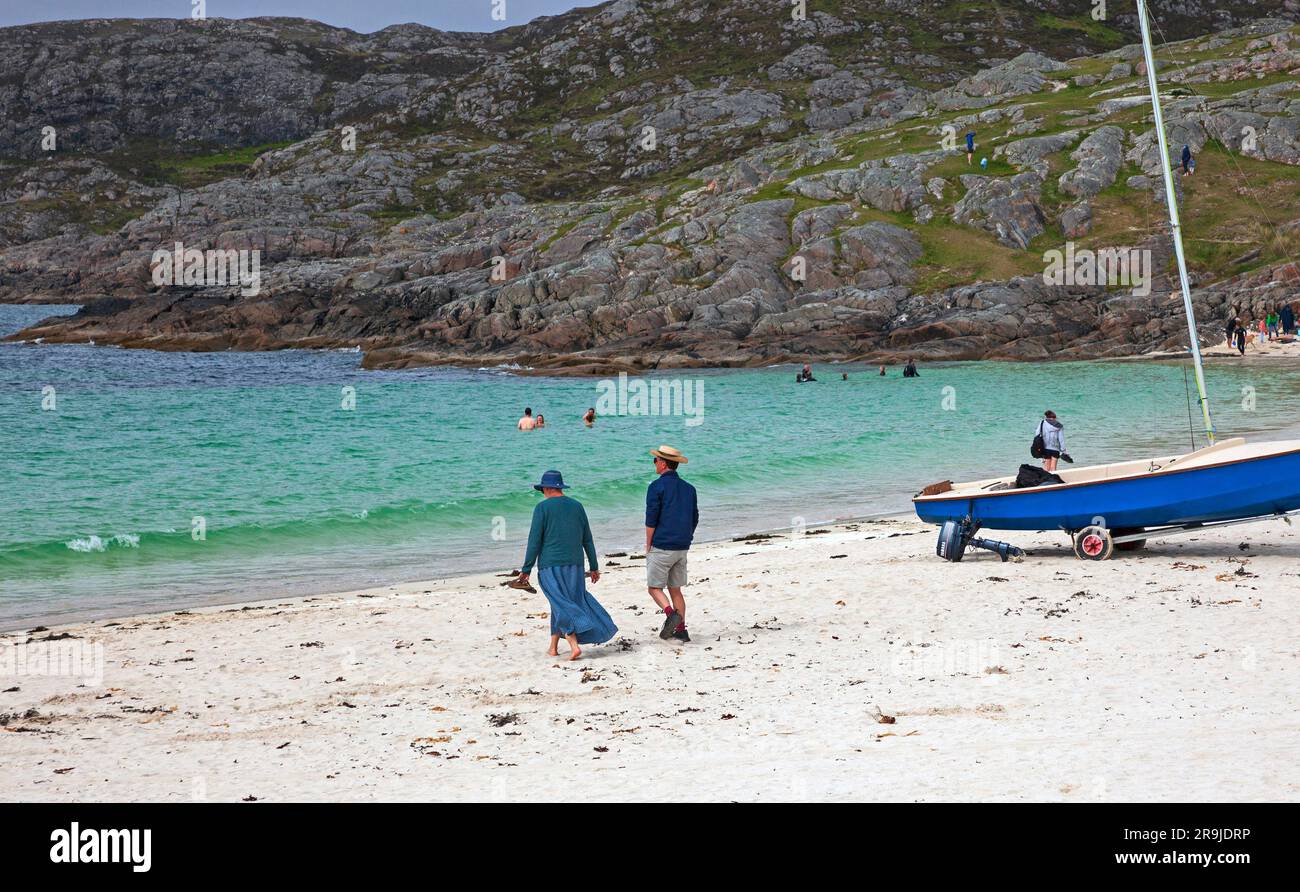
(94, 543)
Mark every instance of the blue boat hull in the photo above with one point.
(1236, 490)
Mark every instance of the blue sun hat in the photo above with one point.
(551, 480)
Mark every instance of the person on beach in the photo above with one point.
(1230, 331)
(671, 516)
(557, 539)
(528, 422)
(1287, 318)
(589, 418)
(1272, 320)
(1239, 338)
(1053, 434)
(970, 146)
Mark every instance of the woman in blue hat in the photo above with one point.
(559, 536)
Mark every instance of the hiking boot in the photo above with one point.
(681, 635)
(671, 622)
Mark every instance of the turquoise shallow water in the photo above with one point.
(427, 477)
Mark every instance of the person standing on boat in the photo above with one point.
(1053, 434)
(671, 515)
(559, 536)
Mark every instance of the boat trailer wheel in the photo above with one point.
(1093, 544)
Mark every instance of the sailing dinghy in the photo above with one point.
(1105, 507)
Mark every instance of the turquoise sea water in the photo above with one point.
(427, 477)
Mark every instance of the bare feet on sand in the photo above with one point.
(576, 653)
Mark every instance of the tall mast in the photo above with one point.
(1172, 204)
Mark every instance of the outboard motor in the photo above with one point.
(952, 541)
(955, 536)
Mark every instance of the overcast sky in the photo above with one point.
(359, 15)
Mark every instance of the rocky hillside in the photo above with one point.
(648, 183)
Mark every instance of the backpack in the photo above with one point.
(1038, 448)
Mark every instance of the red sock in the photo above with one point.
(668, 610)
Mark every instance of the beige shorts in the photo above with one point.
(665, 569)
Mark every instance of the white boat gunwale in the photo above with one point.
(1171, 465)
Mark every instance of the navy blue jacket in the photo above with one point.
(670, 508)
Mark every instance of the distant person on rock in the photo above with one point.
(970, 147)
(1188, 164)
(528, 422)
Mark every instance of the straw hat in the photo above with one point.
(668, 453)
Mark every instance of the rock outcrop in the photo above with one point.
(604, 189)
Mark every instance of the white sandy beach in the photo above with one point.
(1258, 346)
(1169, 675)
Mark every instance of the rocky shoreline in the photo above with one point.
(843, 228)
(1043, 324)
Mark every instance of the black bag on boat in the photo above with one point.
(1032, 475)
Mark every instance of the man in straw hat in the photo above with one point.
(671, 515)
(557, 541)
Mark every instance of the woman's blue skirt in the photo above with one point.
(573, 610)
